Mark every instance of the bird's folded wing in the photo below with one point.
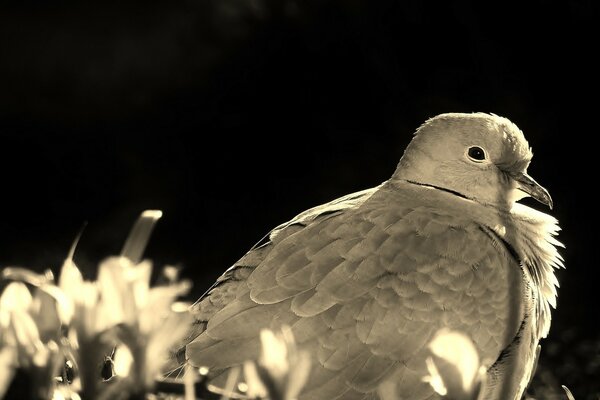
(233, 282)
(363, 287)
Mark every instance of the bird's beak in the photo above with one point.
(528, 185)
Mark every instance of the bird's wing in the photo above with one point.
(364, 288)
(224, 290)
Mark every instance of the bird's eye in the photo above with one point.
(476, 153)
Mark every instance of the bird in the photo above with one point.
(365, 281)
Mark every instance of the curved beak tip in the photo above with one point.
(528, 185)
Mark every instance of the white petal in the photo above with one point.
(458, 350)
(122, 361)
(16, 296)
(274, 355)
(118, 301)
(256, 389)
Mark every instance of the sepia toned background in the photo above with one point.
(232, 116)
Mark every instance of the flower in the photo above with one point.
(83, 321)
(120, 310)
(145, 319)
(29, 332)
(148, 322)
(19, 328)
(89, 336)
(281, 370)
(454, 368)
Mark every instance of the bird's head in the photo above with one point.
(480, 156)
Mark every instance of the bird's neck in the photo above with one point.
(416, 168)
(533, 235)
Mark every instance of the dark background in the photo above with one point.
(232, 116)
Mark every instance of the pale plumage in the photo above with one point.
(366, 280)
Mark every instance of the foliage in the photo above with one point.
(44, 323)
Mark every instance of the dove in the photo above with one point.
(365, 281)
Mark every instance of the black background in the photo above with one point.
(232, 116)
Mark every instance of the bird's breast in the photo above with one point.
(450, 273)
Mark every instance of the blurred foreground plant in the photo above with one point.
(454, 367)
(281, 370)
(29, 332)
(43, 323)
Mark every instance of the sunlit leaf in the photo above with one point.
(568, 392)
(140, 234)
